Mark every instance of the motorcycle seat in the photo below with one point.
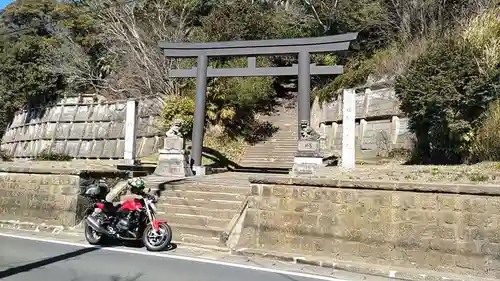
(110, 208)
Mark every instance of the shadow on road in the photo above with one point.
(134, 244)
(44, 262)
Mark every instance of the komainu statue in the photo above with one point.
(308, 133)
(174, 130)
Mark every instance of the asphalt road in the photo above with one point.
(26, 260)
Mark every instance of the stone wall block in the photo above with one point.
(266, 203)
(282, 191)
(255, 190)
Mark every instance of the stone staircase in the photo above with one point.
(200, 209)
(278, 151)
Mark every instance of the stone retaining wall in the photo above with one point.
(47, 196)
(452, 228)
(380, 125)
(82, 128)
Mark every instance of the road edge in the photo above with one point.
(78, 231)
(397, 273)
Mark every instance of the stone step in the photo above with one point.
(213, 187)
(279, 142)
(199, 220)
(268, 158)
(275, 148)
(216, 179)
(198, 240)
(281, 165)
(202, 195)
(255, 161)
(270, 154)
(266, 164)
(291, 142)
(236, 181)
(196, 211)
(209, 204)
(181, 231)
(283, 141)
(281, 119)
(271, 151)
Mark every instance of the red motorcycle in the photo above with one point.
(132, 220)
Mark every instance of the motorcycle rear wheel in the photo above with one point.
(92, 237)
(149, 238)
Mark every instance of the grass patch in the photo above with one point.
(223, 151)
(485, 172)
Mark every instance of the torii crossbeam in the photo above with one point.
(251, 49)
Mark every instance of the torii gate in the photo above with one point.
(202, 51)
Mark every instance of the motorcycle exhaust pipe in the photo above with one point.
(92, 222)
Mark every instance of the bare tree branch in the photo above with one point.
(131, 33)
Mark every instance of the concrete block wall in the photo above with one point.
(440, 227)
(42, 198)
(82, 128)
(380, 125)
(48, 195)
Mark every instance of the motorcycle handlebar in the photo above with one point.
(153, 198)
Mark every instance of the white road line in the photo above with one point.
(185, 258)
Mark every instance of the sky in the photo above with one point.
(4, 3)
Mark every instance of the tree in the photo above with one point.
(445, 95)
(26, 39)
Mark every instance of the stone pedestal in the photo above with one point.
(199, 170)
(173, 160)
(308, 157)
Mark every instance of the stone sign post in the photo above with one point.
(348, 129)
(173, 159)
(130, 129)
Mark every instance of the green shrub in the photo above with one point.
(52, 156)
(445, 94)
(179, 107)
(4, 156)
(486, 144)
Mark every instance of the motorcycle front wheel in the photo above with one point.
(156, 242)
(92, 237)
